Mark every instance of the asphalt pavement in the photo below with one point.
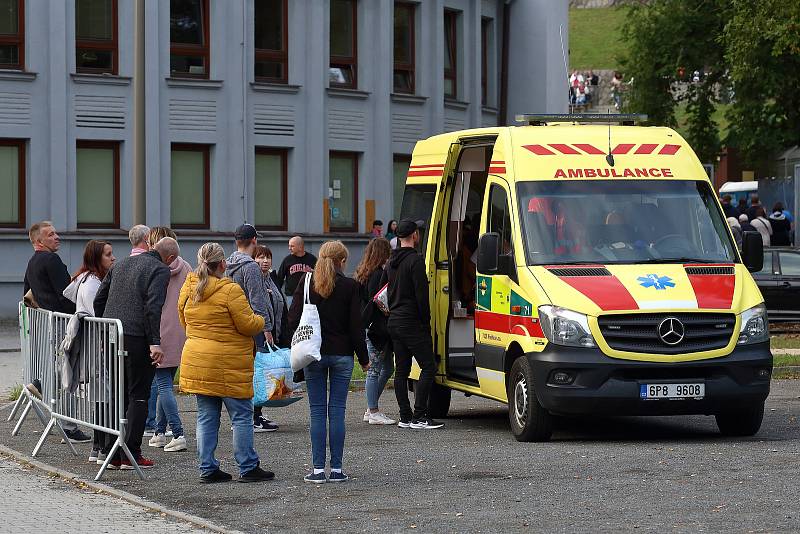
(598, 474)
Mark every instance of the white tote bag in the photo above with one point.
(307, 339)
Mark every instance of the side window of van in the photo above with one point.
(499, 218)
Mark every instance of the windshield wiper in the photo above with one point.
(680, 260)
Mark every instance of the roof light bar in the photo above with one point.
(537, 119)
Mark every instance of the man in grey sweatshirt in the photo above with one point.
(244, 270)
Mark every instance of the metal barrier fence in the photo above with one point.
(86, 386)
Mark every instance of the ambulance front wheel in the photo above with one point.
(745, 422)
(529, 420)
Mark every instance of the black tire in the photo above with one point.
(743, 422)
(439, 401)
(529, 420)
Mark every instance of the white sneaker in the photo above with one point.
(168, 434)
(177, 444)
(159, 440)
(366, 416)
(380, 418)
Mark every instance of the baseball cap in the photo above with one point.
(245, 232)
(406, 227)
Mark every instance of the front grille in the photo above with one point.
(638, 332)
(705, 271)
(580, 271)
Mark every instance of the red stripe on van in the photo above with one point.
(539, 150)
(589, 149)
(498, 162)
(622, 148)
(564, 149)
(713, 291)
(508, 324)
(499, 170)
(435, 166)
(669, 150)
(430, 172)
(645, 148)
(607, 292)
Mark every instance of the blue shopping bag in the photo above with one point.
(272, 379)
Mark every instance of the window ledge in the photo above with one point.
(348, 93)
(456, 104)
(279, 88)
(489, 109)
(409, 98)
(100, 79)
(200, 83)
(17, 75)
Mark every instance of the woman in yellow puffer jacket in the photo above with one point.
(217, 363)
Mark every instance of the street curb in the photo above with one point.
(124, 495)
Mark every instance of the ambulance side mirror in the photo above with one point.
(752, 251)
(489, 253)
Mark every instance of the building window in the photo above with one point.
(271, 41)
(401, 165)
(270, 189)
(404, 59)
(12, 181)
(344, 43)
(450, 54)
(343, 192)
(486, 57)
(96, 36)
(190, 186)
(189, 36)
(12, 34)
(97, 184)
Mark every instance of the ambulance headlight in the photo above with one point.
(565, 327)
(754, 325)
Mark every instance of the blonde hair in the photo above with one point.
(332, 254)
(208, 258)
(36, 230)
(157, 233)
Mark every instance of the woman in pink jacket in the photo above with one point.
(172, 339)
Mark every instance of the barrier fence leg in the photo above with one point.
(109, 457)
(127, 451)
(17, 404)
(22, 418)
(43, 437)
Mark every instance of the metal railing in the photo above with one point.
(84, 385)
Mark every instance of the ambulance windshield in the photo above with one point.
(622, 221)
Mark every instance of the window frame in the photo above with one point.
(275, 56)
(486, 25)
(21, 180)
(204, 50)
(411, 68)
(405, 159)
(97, 44)
(206, 151)
(354, 156)
(16, 39)
(351, 61)
(284, 155)
(451, 20)
(114, 146)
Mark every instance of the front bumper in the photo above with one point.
(609, 386)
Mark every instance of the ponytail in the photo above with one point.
(332, 255)
(208, 258)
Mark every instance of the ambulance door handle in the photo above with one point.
(445, 289)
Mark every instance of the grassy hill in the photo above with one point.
(594, 38)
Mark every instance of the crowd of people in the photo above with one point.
(776, 228)
(582, 87)
(207, 322)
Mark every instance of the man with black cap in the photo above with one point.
(410, 326)
(244, 270)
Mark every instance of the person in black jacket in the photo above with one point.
(339, 305)
(781, 227)
(410, 326)
(47, 277)
(294, 266)
(381, 365)
(134, 291)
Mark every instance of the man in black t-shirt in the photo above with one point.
(294, 266)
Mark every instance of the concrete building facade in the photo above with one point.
(299, 116)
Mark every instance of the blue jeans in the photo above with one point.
(381, 367)
(152, 407)
(339, 370)
(167, 406)
(241, 414)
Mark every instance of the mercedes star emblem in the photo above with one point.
(671, 331)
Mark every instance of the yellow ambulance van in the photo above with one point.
(579, 268)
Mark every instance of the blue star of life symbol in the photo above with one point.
(656, 281)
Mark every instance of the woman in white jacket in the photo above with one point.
(98, 258)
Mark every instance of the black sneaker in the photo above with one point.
(424, 423)
(404, 423)
(319, 478)
(257, 475)
(338, 476)
(76, 436)
(264, 425)
(215, 476)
